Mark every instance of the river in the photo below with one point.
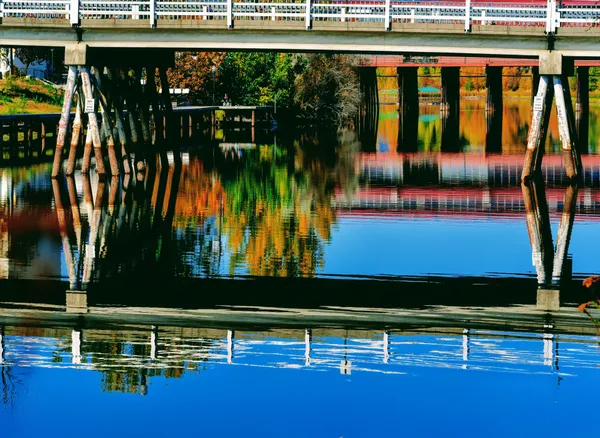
(303, 283)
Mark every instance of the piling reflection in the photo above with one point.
(550, 262)
(127, 222)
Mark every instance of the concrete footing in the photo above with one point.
(77, 301)
(548, 299)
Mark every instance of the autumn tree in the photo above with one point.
(511, 78)
(472, 78)
(194, 70)
(328, 89)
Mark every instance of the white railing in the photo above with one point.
(380, 12)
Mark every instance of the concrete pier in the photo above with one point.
(582, 108)
(408, 91)
(494, 89)
(535, 81)
(450, 102)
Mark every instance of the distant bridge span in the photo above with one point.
(376, 26)
(459, 61)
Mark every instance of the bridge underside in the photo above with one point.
(355, 37)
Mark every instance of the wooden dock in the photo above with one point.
(26, 137)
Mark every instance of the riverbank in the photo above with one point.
(29, 96)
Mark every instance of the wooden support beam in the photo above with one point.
(93, 121)
(157, 114)
(107, 122)
(75, 133)
(143, 114)
(536, 129)
(64, 120)
(565, 128)
(87, 151)
(117, 106)
(132, 118)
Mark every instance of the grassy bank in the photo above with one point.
(28, 96)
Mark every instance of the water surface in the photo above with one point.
(302, 283)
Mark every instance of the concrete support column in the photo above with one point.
(493, 108)
(535, 82)
(368, 116)
(582, 108)
(450, 90)
(583, 89)
(494, 89)
(408, 91)
(449, 109)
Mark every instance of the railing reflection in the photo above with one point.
(128, 357)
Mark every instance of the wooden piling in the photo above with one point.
(93, 122)
(87, 151)
(535, 130)
(64, 120)
(75, 135)
(107, 124)
(564, 129)
(117, 106)
(157, 114)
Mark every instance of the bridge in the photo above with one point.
(377, 26)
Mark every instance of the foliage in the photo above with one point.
(259, 78)
(18, 106)
(20, 96)
(193, 70)
(594, 78)
(328, 89)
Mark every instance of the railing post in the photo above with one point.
(272, 13)
(343, 15)
(483, 21)
(74, 12)
(468, 16)
(388, 20)
(308, 22)
(412, 14)
(152, 13)
(229, 14)
(205, 12)
(551, 16)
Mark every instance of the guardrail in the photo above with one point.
(387, 12)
